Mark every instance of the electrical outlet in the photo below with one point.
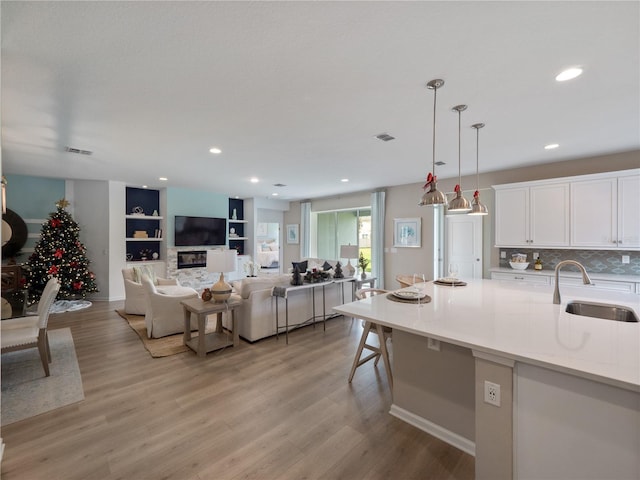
(535, 255)
(625, 258)
(503, 254)
(492, 393)
(433, 344)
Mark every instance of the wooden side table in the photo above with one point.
(207, 342)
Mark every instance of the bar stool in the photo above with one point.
(383, 334)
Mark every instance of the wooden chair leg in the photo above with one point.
(42, 348)
(48, 347)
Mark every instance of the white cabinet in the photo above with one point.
(604, 212)
(531, 278)
(628, 211)
(528, 216)
(594, 220)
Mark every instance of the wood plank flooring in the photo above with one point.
(260, 411)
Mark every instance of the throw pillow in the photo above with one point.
(138, 272)
(302, 266)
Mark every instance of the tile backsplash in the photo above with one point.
(600, 261)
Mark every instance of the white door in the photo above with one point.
(463, 240)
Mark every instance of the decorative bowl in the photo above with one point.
(519, 265)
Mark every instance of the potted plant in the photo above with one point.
(363, 263)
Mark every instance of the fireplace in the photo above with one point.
(192, 259)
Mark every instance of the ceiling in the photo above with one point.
(294, 93)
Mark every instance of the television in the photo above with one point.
(197, 231)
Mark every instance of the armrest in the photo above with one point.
(167, 281)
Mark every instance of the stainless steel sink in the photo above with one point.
(602, 310)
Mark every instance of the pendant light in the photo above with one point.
(478, 208)
(433, 196)
(459, 203)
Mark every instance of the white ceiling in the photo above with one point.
(294, 92)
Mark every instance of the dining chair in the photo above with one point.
(404, 280)
(383, 333)
(31, 331)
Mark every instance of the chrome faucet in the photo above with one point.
(585, 277)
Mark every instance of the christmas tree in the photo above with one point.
(60, 254)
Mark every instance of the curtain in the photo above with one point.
(305, 229)
(377, 232)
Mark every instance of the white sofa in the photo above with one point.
(257, 314)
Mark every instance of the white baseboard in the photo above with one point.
(437, 431)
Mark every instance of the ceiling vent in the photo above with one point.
(385, 137)
(78, 151)
(279, 185)
(440, 163)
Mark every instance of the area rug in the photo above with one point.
(157, 347)
(26, 391)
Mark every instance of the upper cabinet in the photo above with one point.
(597, 211)
(536, 215)
(604, 212)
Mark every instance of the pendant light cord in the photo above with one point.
(459, 154)
(433, 153)
(477, 159)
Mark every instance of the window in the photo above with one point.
(341, 227)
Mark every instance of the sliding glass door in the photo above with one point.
(343, 227)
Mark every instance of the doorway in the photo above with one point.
(463, 241)
(268, 246)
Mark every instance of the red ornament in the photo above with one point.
(77, 285)
(55, 222)
(73, 264)
(457, 188)
(58, 253)
(53, 269)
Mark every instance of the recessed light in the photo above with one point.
(215, 150)
(274, 194)
(344, 180)
(568, 74)
(144, 186)
(254, 180)
(163, 179)
(551, 146)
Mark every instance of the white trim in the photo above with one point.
(34, 220)
(437, 431)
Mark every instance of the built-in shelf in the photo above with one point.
(150, 239)
(143, 217)
(238, 238)
(238, 221)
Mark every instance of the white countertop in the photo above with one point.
(521, 323)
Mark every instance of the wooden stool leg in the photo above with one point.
(363, 340)
(385, 353)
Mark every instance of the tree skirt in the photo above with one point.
(69, 306)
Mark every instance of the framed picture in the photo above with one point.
(293, 233)
(406, 232)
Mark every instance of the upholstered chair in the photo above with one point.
(135, 302)
(164, 313)
(31, 331)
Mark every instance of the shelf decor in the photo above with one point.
(406, 232)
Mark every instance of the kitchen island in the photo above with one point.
(569, 385)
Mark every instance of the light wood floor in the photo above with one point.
(262, 411)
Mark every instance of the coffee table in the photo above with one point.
(207, 342)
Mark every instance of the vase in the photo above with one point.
(363, 276)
